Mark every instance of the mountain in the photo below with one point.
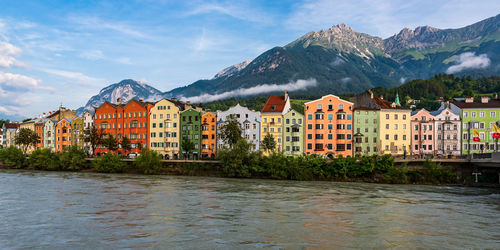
(342, 60)
(229, 71)
(126, 90)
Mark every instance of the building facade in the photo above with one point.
(88, 123)
(31, 126)
(293, 133)
(49, 134)
(249, 121)
(208, 135)
(190, 133)
(9, 132)
(39, 126)
(329, 126)
(423, 132)
(272, 119)
(124, 120)
(478, 117)
(447, 132)
(366, 125)
(394, 135)
(77, 132)
(63, 135)
(164, 128)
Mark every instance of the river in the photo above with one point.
(102, 211)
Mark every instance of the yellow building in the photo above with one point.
(77, 132)
(272, 119)
(395, 130)
(31, 126)
(164, 128)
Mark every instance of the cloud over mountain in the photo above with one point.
(469, 60)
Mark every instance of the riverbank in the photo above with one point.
(370, 169)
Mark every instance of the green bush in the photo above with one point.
(435, 173)
(12, 157)
(73, 159)
(109, 163)
(397, 174)
(238, 160)
(149, 162)
(44, 159)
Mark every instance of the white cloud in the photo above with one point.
(338, 61)
(80, 78)
(95, 23)
(92, 54)
(345, 80)
(469, 60)
(260, 89)
(17, 81)
(402, 80)
(246, 13)
(8, 52)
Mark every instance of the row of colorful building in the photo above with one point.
(327, 126)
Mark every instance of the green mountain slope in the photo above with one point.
(342, 60)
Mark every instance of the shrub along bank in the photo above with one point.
(240, 162)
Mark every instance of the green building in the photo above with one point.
(190, 132)
(477, 115)
(366, 131)
(49, 135)
(293, 133)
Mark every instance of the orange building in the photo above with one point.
(129, 120)
(39, 131)
(328, 126)
(63, 135)
(208, 135)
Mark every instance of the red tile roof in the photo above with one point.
(275, 103)
(384, 104)
(11, 125)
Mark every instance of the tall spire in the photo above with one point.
(396, 101)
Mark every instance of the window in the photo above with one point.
(473, 114)
(395, 116)
(330, 116)
(481, 114)
(309, 117)
(341, 106)
(387, 116)
(404, 117)
(319, 106)
(493, 114)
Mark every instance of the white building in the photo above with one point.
(447, 131)
(88, 122)
(249, 120)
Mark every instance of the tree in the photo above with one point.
(230, 131)
(110, 143)
(3, 121)
(149, 162)
(25, 138)
(268, 143)
(94, 136)
(126, 145)
(188, 147)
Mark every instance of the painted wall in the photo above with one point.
(366, 124)
(249, 120)
(329, 126)
(164, 128)
(395, 134)
(293, 133)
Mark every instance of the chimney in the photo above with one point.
(496, 96)
(141, 100)
(188, 103)
(174, 99)
(382, 97)
(286, 95)
(371, 94)
(469, 99)
(118, 100)
(484, 99)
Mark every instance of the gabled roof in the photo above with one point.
(329, 95)
(274, 103)
(384, 104)
(11, 125)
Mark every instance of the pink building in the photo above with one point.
(422, 132)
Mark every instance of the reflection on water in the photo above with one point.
(78, 210)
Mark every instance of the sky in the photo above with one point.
(64, 52)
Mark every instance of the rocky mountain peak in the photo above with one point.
(231, 70)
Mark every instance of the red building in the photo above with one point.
(124, 120)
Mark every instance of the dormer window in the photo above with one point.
(273, 107)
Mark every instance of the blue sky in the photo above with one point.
(54, 52)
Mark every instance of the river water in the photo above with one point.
(100, 211)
